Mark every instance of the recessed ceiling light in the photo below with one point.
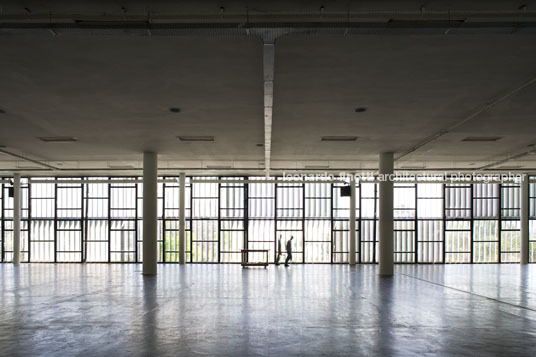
(120, 167)
(339, 138)
(482, 138)
(57, 139)
(175, 110)
(219, 167)
(510, 167)
(360, 109)
(196, 138)
(413, 167)
(317, 167)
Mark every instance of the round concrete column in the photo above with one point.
(16, 218)
(182, 219)
(524, 192)
(351, 235)
(386, 215)
(150, 223)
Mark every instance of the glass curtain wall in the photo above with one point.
(82, 219)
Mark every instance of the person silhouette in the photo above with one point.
(289, 250)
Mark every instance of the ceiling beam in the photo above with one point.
(475, 114)
(22, 157)
(511, 157)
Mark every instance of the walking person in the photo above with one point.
(289, 250)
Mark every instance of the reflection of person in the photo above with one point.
(289, 250)
(278, 251)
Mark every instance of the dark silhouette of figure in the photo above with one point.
(289, 250)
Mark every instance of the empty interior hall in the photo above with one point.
(265, 178)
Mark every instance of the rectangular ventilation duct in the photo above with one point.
(196, 138)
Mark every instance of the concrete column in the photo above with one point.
(182, 219)
(150, 165)
(386, 215)
(524, 192)
(16, 218)
(351, 235)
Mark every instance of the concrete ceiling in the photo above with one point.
(113, 94)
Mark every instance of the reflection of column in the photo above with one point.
(16, 219)
(150, 164)
(386, 337)
(148, 333)
(524, 192)
(386, 215)
(182, 219)
(351, 235)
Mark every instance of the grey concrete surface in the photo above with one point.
(308, 310)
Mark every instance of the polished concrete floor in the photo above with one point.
(224, 310)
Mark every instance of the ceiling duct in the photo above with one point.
(268, 70)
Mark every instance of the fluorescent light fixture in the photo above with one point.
(510, 167)
(412, 167)
(482, 138)
(339, 138)
(196, 138)
(121, 167)
(317, 167)
(216, 167)
(57, 139)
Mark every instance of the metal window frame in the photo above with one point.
(276, 218)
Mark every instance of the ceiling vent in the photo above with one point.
(482, 138)
(339, 138)
(57, 139)
(196, 138)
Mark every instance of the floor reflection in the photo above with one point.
(301, 310)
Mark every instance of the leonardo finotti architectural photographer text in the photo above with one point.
(409, 176)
